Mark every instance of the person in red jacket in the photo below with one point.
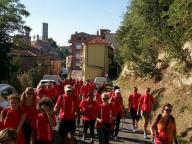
(105, 117)
(67, 106)
(28, 105)
(117, 103)
(88, 110)
(13, 117)
(43, 123)
(133, 101)
(146, 105)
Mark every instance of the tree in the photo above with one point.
(11, 13)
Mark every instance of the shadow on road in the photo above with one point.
(135, 140)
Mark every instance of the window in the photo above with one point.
(78, 56)
(78, 46)
(78, 64)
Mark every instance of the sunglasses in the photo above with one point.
(105, 98)
(168, 110)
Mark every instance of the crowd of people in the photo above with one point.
(33, 115)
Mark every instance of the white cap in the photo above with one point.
(117, 91)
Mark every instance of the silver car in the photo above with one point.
(5, 91)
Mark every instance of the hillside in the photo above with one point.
(175, 88)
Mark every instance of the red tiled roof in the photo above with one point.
(97, 40)
(25, 52)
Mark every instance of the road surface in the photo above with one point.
(126, 135)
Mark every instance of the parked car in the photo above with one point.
(100, 81)
(5, 91)
(45, 82)
(55, 78)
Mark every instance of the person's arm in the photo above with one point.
(175, 133)
(19, 127)
(57, 105)
(153, 128)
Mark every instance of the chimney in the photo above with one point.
(45, 32)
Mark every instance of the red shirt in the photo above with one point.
(30, 112)
(41, 92)
(42, 129)
(11, 120)
(68, 107)
(146, 102)
(106, 112)
(85, 89)
(116, 102)
(88, 107)
(134, 100)
(98, 98)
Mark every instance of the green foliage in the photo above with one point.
(150, 26)
(11, 13)
(35, 75)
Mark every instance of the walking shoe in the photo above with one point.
(134, 130)
(145, 136)
(116, 137)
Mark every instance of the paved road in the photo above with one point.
(126, 136)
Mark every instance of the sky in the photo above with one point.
(65, 17)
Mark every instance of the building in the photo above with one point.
(95, 60)
(30, 58)
(76, 41)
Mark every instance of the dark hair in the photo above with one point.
(46, 101)
(166, 105)
(116, 87)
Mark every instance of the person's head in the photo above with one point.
(68, 89)
(167, 108)
(91, 95)
(117, 92)
(135, 89)
(45, 104)
(147, 91)
(105, 97)
(115, 87)
(28, 94)
(14, 102)
(8, 136)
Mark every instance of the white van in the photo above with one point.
(55, 78)
(99, 81)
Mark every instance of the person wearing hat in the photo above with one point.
(117, 102)
(104, 121)
(67, 106)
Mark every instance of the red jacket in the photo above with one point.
(42, 129)
(106, 112)
(68, 107)
(88, 108)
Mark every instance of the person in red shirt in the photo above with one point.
(28, 105)
(98, 95)
(13, 117)
(88, 111)
(133, 102)
(85, 89)
(146, 104)
(43, 123)
(67, 106)
(41, 91)
(104, 120)
(117, 103)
